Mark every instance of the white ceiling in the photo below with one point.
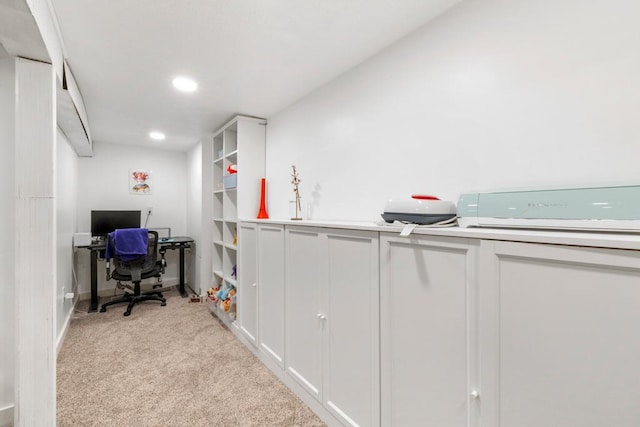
(252, 57)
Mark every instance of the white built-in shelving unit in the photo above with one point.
(240, 144)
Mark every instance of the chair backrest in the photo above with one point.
(138, 266)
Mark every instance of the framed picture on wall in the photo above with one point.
(140, 181)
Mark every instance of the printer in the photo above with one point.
(607, 208)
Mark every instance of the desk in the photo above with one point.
(97, 248)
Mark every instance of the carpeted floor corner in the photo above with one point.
(167, 366)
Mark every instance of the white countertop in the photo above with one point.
(598, 239)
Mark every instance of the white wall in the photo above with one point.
(7, 226)
(103, 185)
(194, 212)
(493, 94)
(66, 200)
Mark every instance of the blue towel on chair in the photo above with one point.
(129, 243)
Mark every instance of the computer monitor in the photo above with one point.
(104, 222)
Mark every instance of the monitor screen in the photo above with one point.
(104, 222)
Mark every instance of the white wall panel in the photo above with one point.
(7, 229)
(491, 94)
(205, 248)
(35, 240)
(66, 200)
(195, 187)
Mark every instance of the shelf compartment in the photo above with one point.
(217, 231)
(230, 140)
(217, 261)
(232, 158)
(227, 317)
(218, 150)
(229, 262)
(230, 234)
(229, 206)
(218, 173)
(218, 204)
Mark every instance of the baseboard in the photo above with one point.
(65, 328)
(6, 416)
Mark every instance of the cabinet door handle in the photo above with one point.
(475, 394)
(254, 285)
(321, 316)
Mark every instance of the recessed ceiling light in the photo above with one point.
(185, 84)
(158, 136)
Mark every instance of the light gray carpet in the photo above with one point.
(167, 366)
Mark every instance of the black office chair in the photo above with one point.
(134, 269)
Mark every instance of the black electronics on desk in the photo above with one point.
(104, 222)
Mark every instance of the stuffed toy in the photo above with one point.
(211, 293)
(223, 294)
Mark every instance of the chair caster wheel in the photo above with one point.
(163, 304)
(103, 309)
(127, 313)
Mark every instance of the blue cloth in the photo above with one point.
(128, 243)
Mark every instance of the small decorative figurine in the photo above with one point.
(295, 181)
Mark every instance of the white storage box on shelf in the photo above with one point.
(230, 181)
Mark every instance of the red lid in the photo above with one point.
(423, 197)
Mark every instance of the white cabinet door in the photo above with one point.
(305, 279)
(427, 289)
(271, 291)
(560, 336)
(332, 319)
(247, 274)
(351, 331)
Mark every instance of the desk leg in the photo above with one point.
(94, 282)
(183, 293)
